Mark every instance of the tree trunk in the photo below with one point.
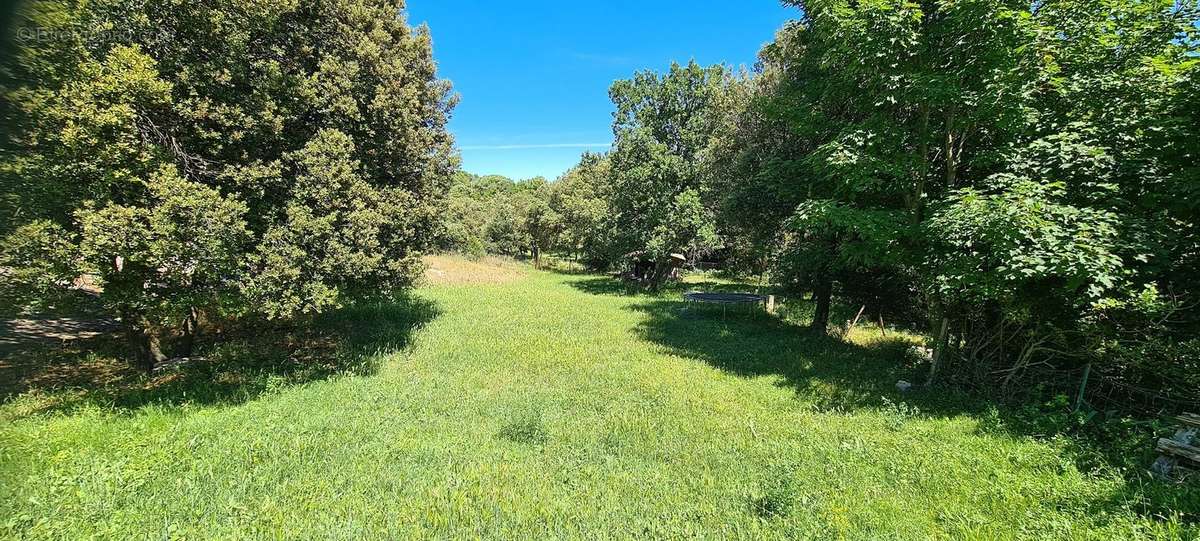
(658, 275)
(191, 328)
(942, 342)
(537, 257)
(147, 350)
(823, 295)
(918, 197)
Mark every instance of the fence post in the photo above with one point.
(1087, 371)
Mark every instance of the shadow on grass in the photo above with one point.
(236, 366)
(836, 376)
(568, 267)
(833, 374)
(602, 285)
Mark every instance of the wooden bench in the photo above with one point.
(1179, 447)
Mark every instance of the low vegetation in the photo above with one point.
(557, 405)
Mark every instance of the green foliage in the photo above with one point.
(688, 225)
(1008, 168)
(506, 230)
(658, 201)
(273, 158)
(342, 237)
(82, 139)
(581, 198)
(493, 214)
(35, 263)
(1137, 336)
(862, 238)
(1019, 245)
(469, 212)
(182, 249)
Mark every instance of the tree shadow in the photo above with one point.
(567, 267)
(231, 367)
(837, 376)
(830, 372)
(608, 285)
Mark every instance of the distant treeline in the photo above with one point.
(493, 214)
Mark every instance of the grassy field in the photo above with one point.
(548, 405)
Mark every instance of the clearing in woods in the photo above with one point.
(501, 401)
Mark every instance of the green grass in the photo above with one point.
(554, 406)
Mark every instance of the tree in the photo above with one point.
(826, 240)
(1025, 166)
(340, 237)
(1085, 220)
(162, 261)
(580, 196)
(468, 212)
(273, 158)
(874, 109)
(507, 234)
(658, 198)
(540, 222)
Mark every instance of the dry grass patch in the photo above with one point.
(459, 270)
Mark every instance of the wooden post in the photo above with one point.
(860, 313)
(1189, 420)
(1169, 446)
(771, 304)
(1178, 447)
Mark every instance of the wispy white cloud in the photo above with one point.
(525, 147)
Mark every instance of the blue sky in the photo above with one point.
(534, 75)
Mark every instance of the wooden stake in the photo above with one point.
(1087, 371)
(860, 313)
